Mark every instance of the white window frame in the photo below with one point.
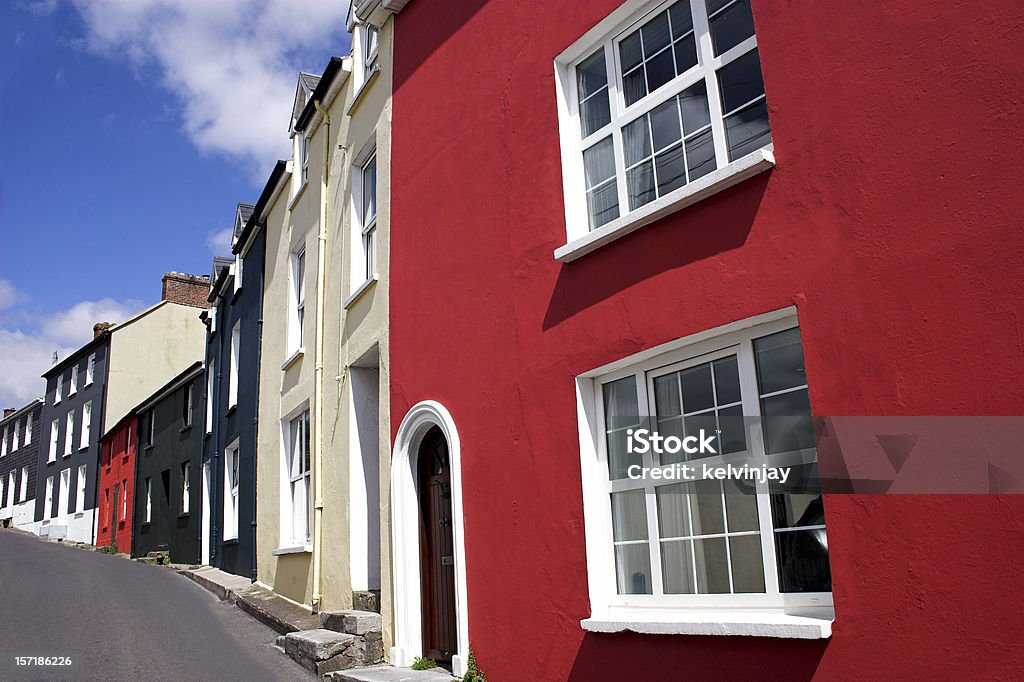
(124, 499)
(210, 378)
(83, 471)
(69, 434)
(296, 480)
(607, 34)
(297, 302)
(3, 444)
(186, 487)
(236, 340)
(301, 163)
(54, 440)
(239, 263)
(90, 369)
(73, 386)
(149, 500)
(48, 499)
(189, 405)
(772, 613)
(28, 429)
(368, 223)
(232, 471)
(14, 438)
(150, 427)
(86, 426)
(23, 495)
(60, 389)
(12, 482)
(64, 493)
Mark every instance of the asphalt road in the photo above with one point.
(122, 620)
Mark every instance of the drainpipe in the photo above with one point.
(318, 379)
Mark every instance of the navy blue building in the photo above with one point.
(19, 459)
(168, 462)
(69, 442)
(234, 324)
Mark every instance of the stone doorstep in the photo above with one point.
(273, 611)
(389, 673)
(324, 651)
(351, 621)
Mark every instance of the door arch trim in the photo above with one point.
(408, 601)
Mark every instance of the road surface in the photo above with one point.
(122, 620)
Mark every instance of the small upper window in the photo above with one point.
(371, 46)
(14, 440)
(662, 100)
(368, 216)
(186, 407)
(297, 312)
(73, 388)
(303, 143)
(90, 369)
(58, 394)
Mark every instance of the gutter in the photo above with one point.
(318, 378)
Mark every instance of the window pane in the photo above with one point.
(733, 437)
(591, 75)
(666, 395)
(660, 70)
(630, 52)
(798, 502)
(634, 85)
(603, 204)
(780, 361)
(655, 34)
(686, 54)
(621, 411)
(741, 506)
(640, 183)
(803, 561)
(370, 190)
(670, 169)
(740, 81)
(682, 21)
(633, 568)
(629, 516)
(599, 162)
(700, 155)
(673, 510)
(747, 566)
(594, 113)
(636, 139)
(706, 504)
(694, 101)
(697, 391)
(672, 427)
(732, 27)
(727, 380)
(715, 5)
(748, 130)
(665, 124)
(787, 422)
(712, 566)
(677, 567)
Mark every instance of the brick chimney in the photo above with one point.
(8, 411)
(191, 290)
(100, 327)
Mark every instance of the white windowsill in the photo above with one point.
(750, 624)
(356, 98)
(299, 549)
(359, 291)
(702, 188)
(292, 359)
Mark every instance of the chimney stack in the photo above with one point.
(8, 411)
(191, 290)
(100, 327)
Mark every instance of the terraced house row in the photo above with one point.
(507, 233)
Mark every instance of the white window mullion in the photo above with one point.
(755, 446)
(705, 57)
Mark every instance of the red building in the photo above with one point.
(604, 211)
(117, 485)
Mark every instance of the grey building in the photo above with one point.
(19, 451)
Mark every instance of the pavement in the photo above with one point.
(118, 619)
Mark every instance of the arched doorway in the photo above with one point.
(429, 568)
(437, 554)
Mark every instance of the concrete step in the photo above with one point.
(324, 651)
(351, 621)
(387, 673)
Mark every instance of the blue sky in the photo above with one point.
(129, 129)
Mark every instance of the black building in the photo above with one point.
(234, 324)
(69, 441)
(20, 432)
(168, 469)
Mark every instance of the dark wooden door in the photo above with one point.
(437, 554)
(113, 516)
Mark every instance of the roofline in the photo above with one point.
(261, 203)
(183, 377)
(330, 71)
(38, 402)
(75, 355)
(218, 284)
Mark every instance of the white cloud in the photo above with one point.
(40, 8)
(219, 241)
(232, 64)
(25, 353)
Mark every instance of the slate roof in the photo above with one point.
(309, 79)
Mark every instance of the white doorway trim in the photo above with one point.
(405, 526)
(204, 558)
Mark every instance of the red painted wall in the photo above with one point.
(117, 465)
(892, 222)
